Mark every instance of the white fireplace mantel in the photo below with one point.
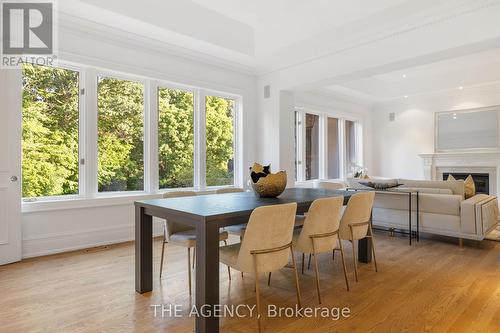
(463, 162)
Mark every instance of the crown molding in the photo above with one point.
(108, 34)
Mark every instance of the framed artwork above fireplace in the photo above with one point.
(467, 130)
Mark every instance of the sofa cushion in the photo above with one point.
(429, 222)
(456, 186)
(446, 204)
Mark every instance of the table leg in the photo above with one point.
(365, 250)
(207, 276)
(143, 251)
(409, 217)
(365, 247)
(418, 217)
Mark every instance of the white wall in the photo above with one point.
(50, 228)
(396, 144)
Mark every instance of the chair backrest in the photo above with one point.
(229, 190)
(170, 226)
(323, 217)
(269, 227)
(358, 210)
(330, 185)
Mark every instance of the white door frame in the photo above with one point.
(10, 166)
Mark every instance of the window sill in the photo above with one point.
(101, 200)
(78, 203)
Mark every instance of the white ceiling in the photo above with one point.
(467, 71)
(269, 36)
(244, 31)
(278, 23)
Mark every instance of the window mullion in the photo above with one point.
(82, 122)
(200, 141)
(303, 145)
(153, 148)
(151, 182)
(322, 148)
(238, 146)
(342, 149)
(90, 103)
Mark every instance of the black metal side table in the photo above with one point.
(410, 193)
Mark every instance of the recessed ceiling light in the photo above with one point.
(461, 88)
(406, 96)
(404, 76)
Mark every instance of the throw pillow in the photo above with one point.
(450, 177)
(470, 187)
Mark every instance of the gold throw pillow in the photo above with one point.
(470, 187)
(450, 177)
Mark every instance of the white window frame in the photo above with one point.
(88, 125)
(323, 139)
(156, 183)
(145, 126)
(82, 189)
(237, 163)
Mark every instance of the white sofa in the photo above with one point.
(443, 210)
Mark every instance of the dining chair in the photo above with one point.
(299, 220)
(229, 190)
(355, 223)
(329, 185)
(266, 247)
(238, 229)
(320, 233)
(182, 235)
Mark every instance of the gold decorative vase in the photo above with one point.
(271, 185)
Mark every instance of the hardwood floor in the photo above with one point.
(433, 286)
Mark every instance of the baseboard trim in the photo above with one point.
(48, 244)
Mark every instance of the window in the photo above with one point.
(50, 136)
(350, 147)
(175, 138)
(326, 147)
(333, 149)
(141, 135)
(120, 134)
(219, 141)
(312, 146)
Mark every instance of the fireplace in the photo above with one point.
(481, 180)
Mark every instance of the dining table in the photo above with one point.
(207, 214)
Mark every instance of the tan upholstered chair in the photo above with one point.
(356, 223)
(320, 233)
(182, 235)
(229, 190)
(266, 247)
(329, 185)
(238, 229)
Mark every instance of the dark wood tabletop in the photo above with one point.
(214, 207)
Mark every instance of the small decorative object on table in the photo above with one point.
(358, 171)
(266, 184)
